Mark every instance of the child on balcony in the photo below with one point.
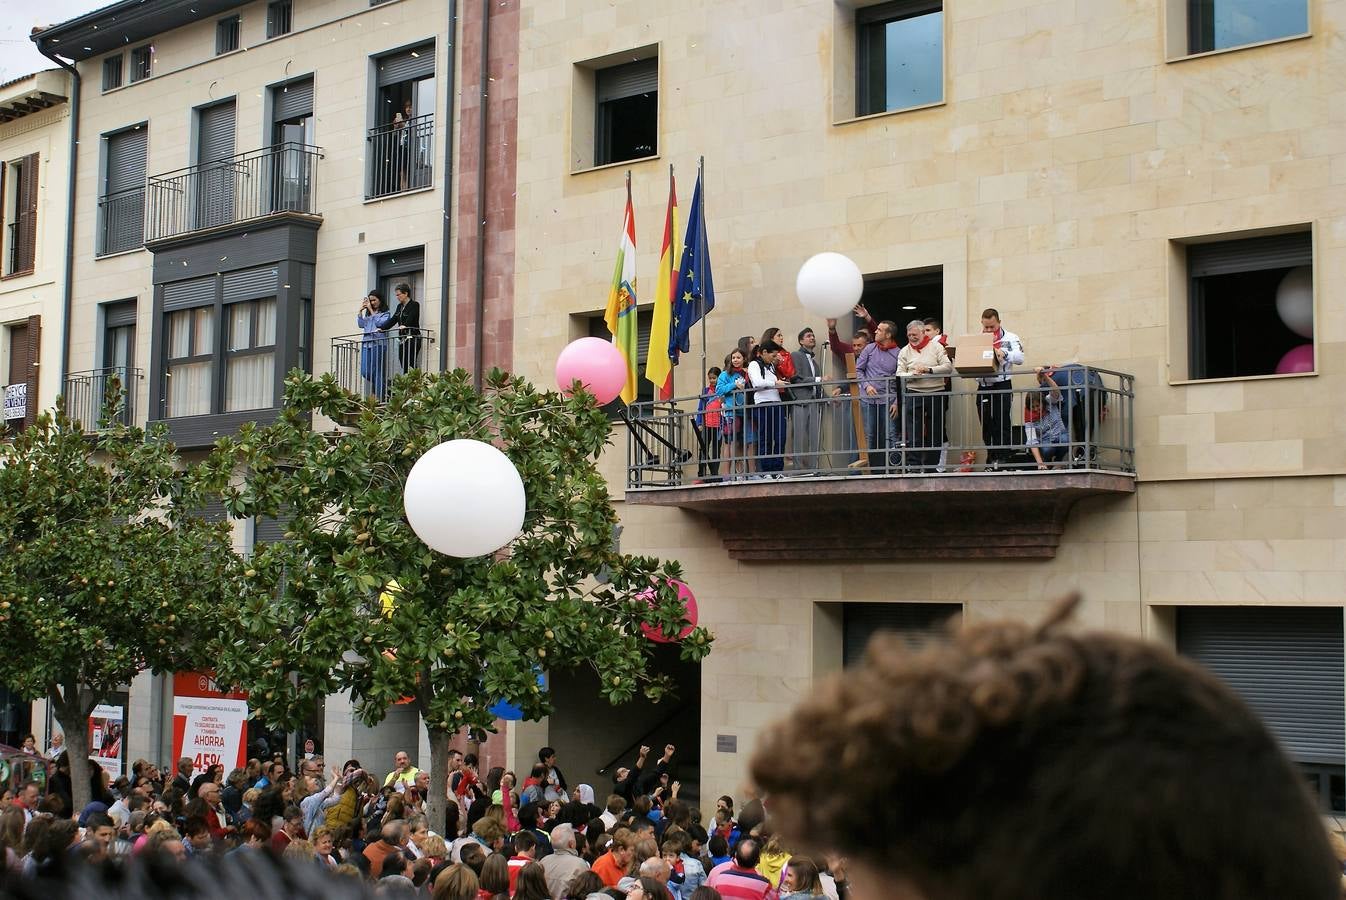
(1044, 431)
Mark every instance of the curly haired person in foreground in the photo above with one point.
(1009, 762)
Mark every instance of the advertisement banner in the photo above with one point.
(16, 400)
(107, 746)
(209, 725)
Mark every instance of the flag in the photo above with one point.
(659, 366)
(621, 312)
(695, 292)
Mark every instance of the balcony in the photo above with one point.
(401, 157)
(367, 367)
(903, 493)
(245, 188)
(87, 395)
(121, 221)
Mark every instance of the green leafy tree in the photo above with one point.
(105, 572)
(321, 613)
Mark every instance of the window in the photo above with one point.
(1250, 306)
(20, 390)
(121, 208)
(112, 72)
(596, 327)
(916, 622)
(142, 60)
(1286, 663)
(250, 358)
(226, 35)
(279, 17)
(1221, 24)
(400, 147)
(626, 111)
(18, 179)
(188, 356)
(402, 267)
(899, 56)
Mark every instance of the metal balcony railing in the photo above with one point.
(401, 157)
(366, 365)
(121, 221)
(238, 189)
(835, 428)
(88, 394)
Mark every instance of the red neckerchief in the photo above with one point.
(921, 346)
(891, 345)
(943, 340)
(999, 336)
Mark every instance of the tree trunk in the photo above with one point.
(436, 805)
(75, 724)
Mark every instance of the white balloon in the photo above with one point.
(464, 498)
(1294, 300)
(829, 284)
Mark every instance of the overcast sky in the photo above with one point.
(18, 54)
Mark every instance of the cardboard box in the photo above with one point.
(975, 354)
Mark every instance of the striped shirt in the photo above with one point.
(736, 883)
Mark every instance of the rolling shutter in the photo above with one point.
(216, 133)
(628, 80)
(185, 294)
(407, 65)
(292, 101)
(401, 262)
(250, 284)
(1286, 663)
(861, 621)
(126, 151)
(1276, 251)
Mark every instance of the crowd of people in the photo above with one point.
(767, 407)
(535, 838)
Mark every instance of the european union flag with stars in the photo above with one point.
(696, 289)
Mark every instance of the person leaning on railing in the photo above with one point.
(769, 413)
(1044, 431)
(922, 406)
(876, 368)
(733, 421)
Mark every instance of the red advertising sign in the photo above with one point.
(210, 726)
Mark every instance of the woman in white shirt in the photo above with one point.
(768, 413)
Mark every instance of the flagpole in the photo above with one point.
(700, 178)
(672, 283)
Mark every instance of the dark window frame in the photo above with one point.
(1198, 301)
(229, 354)
(1201, 29)
(195, 354)
(101, 247)
(605, 112)
(877, 17)
(279, 18)
(142, 63)
(113, 72)
(228, 35)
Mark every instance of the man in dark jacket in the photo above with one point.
(407, 320)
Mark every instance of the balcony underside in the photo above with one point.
(956, 516)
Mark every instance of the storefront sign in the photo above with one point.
(107, 744)
(210, 726)
(16, 400)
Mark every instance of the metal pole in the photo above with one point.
(701, 179)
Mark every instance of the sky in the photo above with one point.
(18, 54)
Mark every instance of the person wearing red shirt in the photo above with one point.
(525, 852)
(613, 865)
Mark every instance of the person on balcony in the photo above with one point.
(1044, 431)
(876, 369)
(373, 319)
(807, 413)
(843, 427)
(731, 387)
(935, 329)
(994, 397)
(922, 404)
(406, 318)
(769, 412)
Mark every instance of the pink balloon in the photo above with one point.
(595, 363)
(689, 604)
(1299, 359)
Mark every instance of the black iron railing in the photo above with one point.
(366, 364)
(88, 394)
(837, 428)
(401, 157)
(121, 221)
(238, 189)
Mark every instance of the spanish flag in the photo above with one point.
(621, 312)
(659, 367)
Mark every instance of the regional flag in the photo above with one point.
(659, 366)
(621, 312)
(695, 291)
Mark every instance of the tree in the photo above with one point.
(106, 572)
(352, 600)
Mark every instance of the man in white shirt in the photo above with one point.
(994, 399)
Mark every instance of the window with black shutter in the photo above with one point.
(142, 63)
(112, 72)
(226, 35)
(121, 208)
(626, 111)
(279, 16)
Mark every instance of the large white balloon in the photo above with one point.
(1294, 300)
(829, 284)
(464, 498)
